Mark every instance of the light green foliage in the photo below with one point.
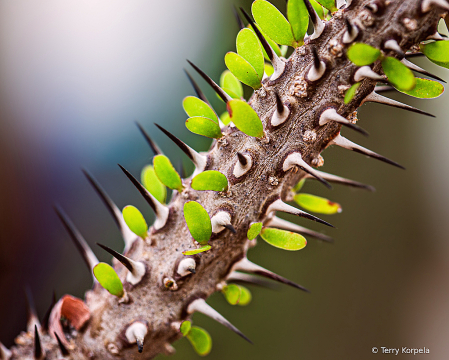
(108, 278)
(197, 251)
(230, 84)
(273, 23)
(225, 118)
(210, 180)
(362, 54)
(299, 185)
(283, 239)
(204, 126)
(245, 118)
(350, 93)
(254, 230)
(269, 69)
(437, 52)
(242, 70)
(166, 173)
(152, 183)
(200, 340)
(272, 44)
(198, 221)
(317, 204)
(328, 4)
(425, 89)
(249, 48)
(398, 74)
(135, 221)
(185, 328)
(318, 8)
(237, 294)
(299, 19)
(197, 107)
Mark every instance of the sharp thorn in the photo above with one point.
(128, 236)
(295, 159)
(279, 105)
(393, 45)
(420, 70)
(367, 72)
(159, 209)
(342, 180)
(197, 89)
(242, 159)
(347, 144)
(248, 266)
(287, 225)
(123, 259)
(45, 320)
(200, 305)
(221, 93)
(428, 5)
(5, 353)
(383, 88)
(230, 228)
(351, 32)
(279, 205)
(156, 150)
(38, 353)
(373, 97)
(135, 334)
(86, 252)
(220, 221)
(239, 20)
(318, 24)
(62, 347)
(236, 276)
(186, 266)
(33, 319)
(331, 114)
(412, 55)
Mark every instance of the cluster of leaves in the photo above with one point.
(198, 337)
(237, 294)
(398, 74)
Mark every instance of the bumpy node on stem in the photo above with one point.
(351, 33)
(135, 334)
(295, 159)
(427, 5)
(332, 115)
(220, 221)
(366, 72)
(186, 267)
(317, 69)
(243, 165)
(393, 45)
(281, 113)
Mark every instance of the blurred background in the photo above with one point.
(74, 78)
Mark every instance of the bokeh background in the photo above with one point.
(76, 75)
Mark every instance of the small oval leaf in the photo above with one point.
(210, 180)
(152, 183)
(230, 84)
(269, 69)
(254, 230)
(197, 107)
(299, 19)
(317, 204)
(362, 54)
(197, 251)
(166, 173)
(242, 70)
(248, 47)
(200, 340)
(108, 278)
(245, 118)
(185, 327)
(299, 185)
(350, 93)
(198, 221)
(283, 239)
(425, 89)
(225, 118)
(318, 8)
(204, 126)
(135, 221)
(437, 52)
(272, 22)
(245, 296)
(232, 293)
(398, 74)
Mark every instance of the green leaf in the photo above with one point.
(245, 296)
(328, 4)
(225, 118)
(425, 89)
(248, 47)
(185, 327)
(197, 251)
(437, 52)
(200, 340)
(269, 69)
(152, 183)
(350, 93)
(283, 239)
(230, 84)
(108, 278)
(245, 118)
(362, 54)
(198, 221)
(232, 293)
(299, 185)
(204, 126)
(197, 107)
(273, 23)
(317, 204)
(299, 19)
(398, 74)
(318, 8)
(166, 173)
(210, 180)
(135, 221)
(242, 70)
(254, 230)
